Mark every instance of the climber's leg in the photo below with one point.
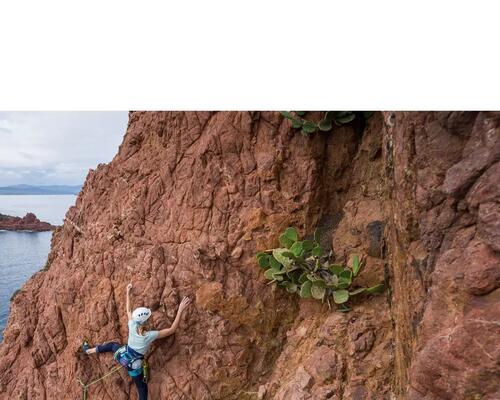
(109, 347)
(142, 387)
(89, 350)
(103, 348)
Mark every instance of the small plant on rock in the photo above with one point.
(301, 267)
(326, 123)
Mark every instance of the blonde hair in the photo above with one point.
(141, 330)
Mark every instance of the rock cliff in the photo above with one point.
(189, 199)
(27, 223)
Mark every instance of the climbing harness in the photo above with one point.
(86, 386)
(130, 359)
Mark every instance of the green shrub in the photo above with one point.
(326, 123)
(301, 267)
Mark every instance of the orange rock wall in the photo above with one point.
(190, 198)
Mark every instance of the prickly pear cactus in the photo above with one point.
(326, 123)
(301, 267)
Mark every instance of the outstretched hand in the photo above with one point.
(129, 287)
(184, 303)
(182, 306)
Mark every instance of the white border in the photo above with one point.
(119, 55)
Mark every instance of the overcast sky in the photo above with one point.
(46, 148)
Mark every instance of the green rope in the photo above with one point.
(86, 386)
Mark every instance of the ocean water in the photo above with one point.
(24, 253)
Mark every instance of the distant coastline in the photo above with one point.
(40, 190)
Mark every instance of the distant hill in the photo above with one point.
(39, 190)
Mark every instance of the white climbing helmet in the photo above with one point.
(141, 314)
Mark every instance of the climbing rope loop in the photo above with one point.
(85, 386)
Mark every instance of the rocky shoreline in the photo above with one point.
(27, 223)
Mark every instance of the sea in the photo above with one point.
(24, 253)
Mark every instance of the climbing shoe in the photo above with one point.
(85, 346)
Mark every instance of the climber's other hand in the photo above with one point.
(184, 303)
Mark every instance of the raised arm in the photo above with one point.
(129, 314)
(167, 332)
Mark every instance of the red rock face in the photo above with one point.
(190, 198)
(28, 223)
(452, 353)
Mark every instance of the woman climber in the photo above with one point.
(132, 355)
